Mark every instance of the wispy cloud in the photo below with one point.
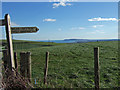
(61, 3)
(97, 31)
(14, 24)
(78, 28)
(59, 29)
(49, 20)
(96, 26)
(103, 19)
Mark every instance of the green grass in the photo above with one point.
(72, 65)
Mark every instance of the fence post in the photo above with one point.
(25, 65)
(28, 64)
(22, 63)
(96, 67)
(46, 68)
(15, 60)
(5, 59)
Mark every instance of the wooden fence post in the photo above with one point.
(22, 63)
(96, 67)
(15, 60)
(25, 65)
(5, 59)
(28, 62)
(6, 63)
(46, 68)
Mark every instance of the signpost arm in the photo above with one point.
(9, 41)
(2, 22)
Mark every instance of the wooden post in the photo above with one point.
(22, 63)
(25, 65)
(96, 67)
(15, 58)
(9, 41)
(5, 57)
(28, 62)
(5, 64)
(46, 68)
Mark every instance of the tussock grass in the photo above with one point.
(12, 80)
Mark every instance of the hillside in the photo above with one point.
(72, 65)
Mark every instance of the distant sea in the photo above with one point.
(57, 41)
(76, 40)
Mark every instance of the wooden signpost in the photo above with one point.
(11, 30)
(2, 22)
(23, 30)
(9, 41)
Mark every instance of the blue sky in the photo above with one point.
(63, 20)
(60, 0)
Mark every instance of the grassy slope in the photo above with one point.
(71, 65)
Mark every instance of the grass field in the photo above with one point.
(72, 65)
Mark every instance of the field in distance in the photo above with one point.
(72, 65)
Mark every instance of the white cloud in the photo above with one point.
(61, 3)
(59, 29)
(95, 26)
(49, 20)
(81, 28)
(97, 31)
(100, 31)
(78, 28)
(103, 19)
(14, 24)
